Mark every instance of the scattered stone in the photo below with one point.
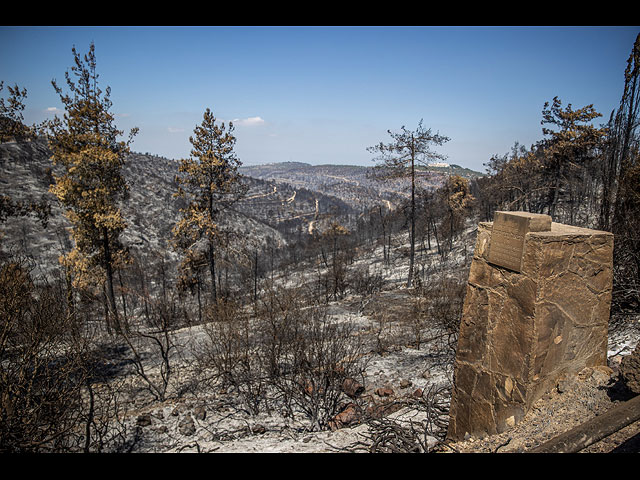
(346, 417)
(630, 370)
(186, 426)
(405, 383)
(384, 391)
(258, 429)
(144, 420)
(200, 413)
(352, 387)
(417, 393)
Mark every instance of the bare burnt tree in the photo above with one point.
(407, 150)
(624, 150)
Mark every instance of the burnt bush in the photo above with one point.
(287, 355)
(44, 365)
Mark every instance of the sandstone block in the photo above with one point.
(528, 322)
(508, 236)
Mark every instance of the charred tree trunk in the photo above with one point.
(111, 299)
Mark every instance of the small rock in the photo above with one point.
(258, 429)
(405, 383)
(144, 420)
(585, 374)
(417, 393)
(384, 392)
(346, 417)
(352, 387)
(630, 370)
(186, 426)
(200, 413)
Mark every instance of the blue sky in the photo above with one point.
(324, 94)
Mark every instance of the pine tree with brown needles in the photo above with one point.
(91, 186)
(209, 181)
(571, 141)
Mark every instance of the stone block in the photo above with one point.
(528, 322)
(508, 233)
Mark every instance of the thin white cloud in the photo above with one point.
(248, 122)
(53, 110)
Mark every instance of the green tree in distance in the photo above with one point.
(400, 157)
(85, 142)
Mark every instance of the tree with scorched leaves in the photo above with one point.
(91, 185)
(209, 183)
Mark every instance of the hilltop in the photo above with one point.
(354, 184)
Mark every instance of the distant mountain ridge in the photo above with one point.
(353, 184)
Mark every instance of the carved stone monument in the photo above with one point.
(507, 236)
(536, 309)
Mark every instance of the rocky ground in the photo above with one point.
(396, 377)
(397, 381)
